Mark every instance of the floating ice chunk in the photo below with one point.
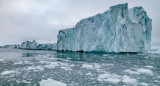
(88, 73)
(7, 72)
(144, 84)
(35, 68)
(51, 82)
(145, 71)
(112, 78)
(1, 60)
(131, 72)
(87, 66)
(28, 62)
(52, 65)
(18, 63)
(43, 62)
(150, 67)
(65, 68)
(24, 81)
(127, 79)
(31, 68)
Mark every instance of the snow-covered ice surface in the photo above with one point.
(51, 68)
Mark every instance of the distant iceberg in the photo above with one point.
(33, 45)
(29, 45)
(14, 46)
(117, 30)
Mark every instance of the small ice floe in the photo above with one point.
(24, 81)
(109, 64)
(28, 62)
(7, 72)
(95, 66)
(140, 71)
(112, 78)
(52, 65)
(1, 60)
(43, 62)
(88, 74)
(87, 66)
(144, 84)
(129, 80)
(51, 82)
(18, 63)
(66, 68)
(145, 71)
(35, 68)
(105, 55)
(150, 67)
(131, 72)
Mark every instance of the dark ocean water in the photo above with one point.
(51, 68)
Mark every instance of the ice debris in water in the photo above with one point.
(51, 82)
(7, 72)
(145, 71)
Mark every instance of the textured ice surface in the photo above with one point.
(117, 30)
(50, 82)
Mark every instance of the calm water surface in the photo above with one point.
(31, 68)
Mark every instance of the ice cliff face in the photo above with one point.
(117, 30)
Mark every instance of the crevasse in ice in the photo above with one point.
(117, 30)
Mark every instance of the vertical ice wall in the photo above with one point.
(117, 30)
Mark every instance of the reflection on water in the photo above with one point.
(30, 67)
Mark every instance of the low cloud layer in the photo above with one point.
(40, 20)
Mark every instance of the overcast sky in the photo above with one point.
(40, 20)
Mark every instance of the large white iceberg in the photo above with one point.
(117, 30)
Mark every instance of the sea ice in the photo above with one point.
(112, 78)
(87, 66)
(145, 71)
(7, 72)
(127, 79)
(51, 82)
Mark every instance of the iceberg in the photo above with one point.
(46, 47)
(33, 45)
(15, 46)
(117, 30)
(29, 45)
